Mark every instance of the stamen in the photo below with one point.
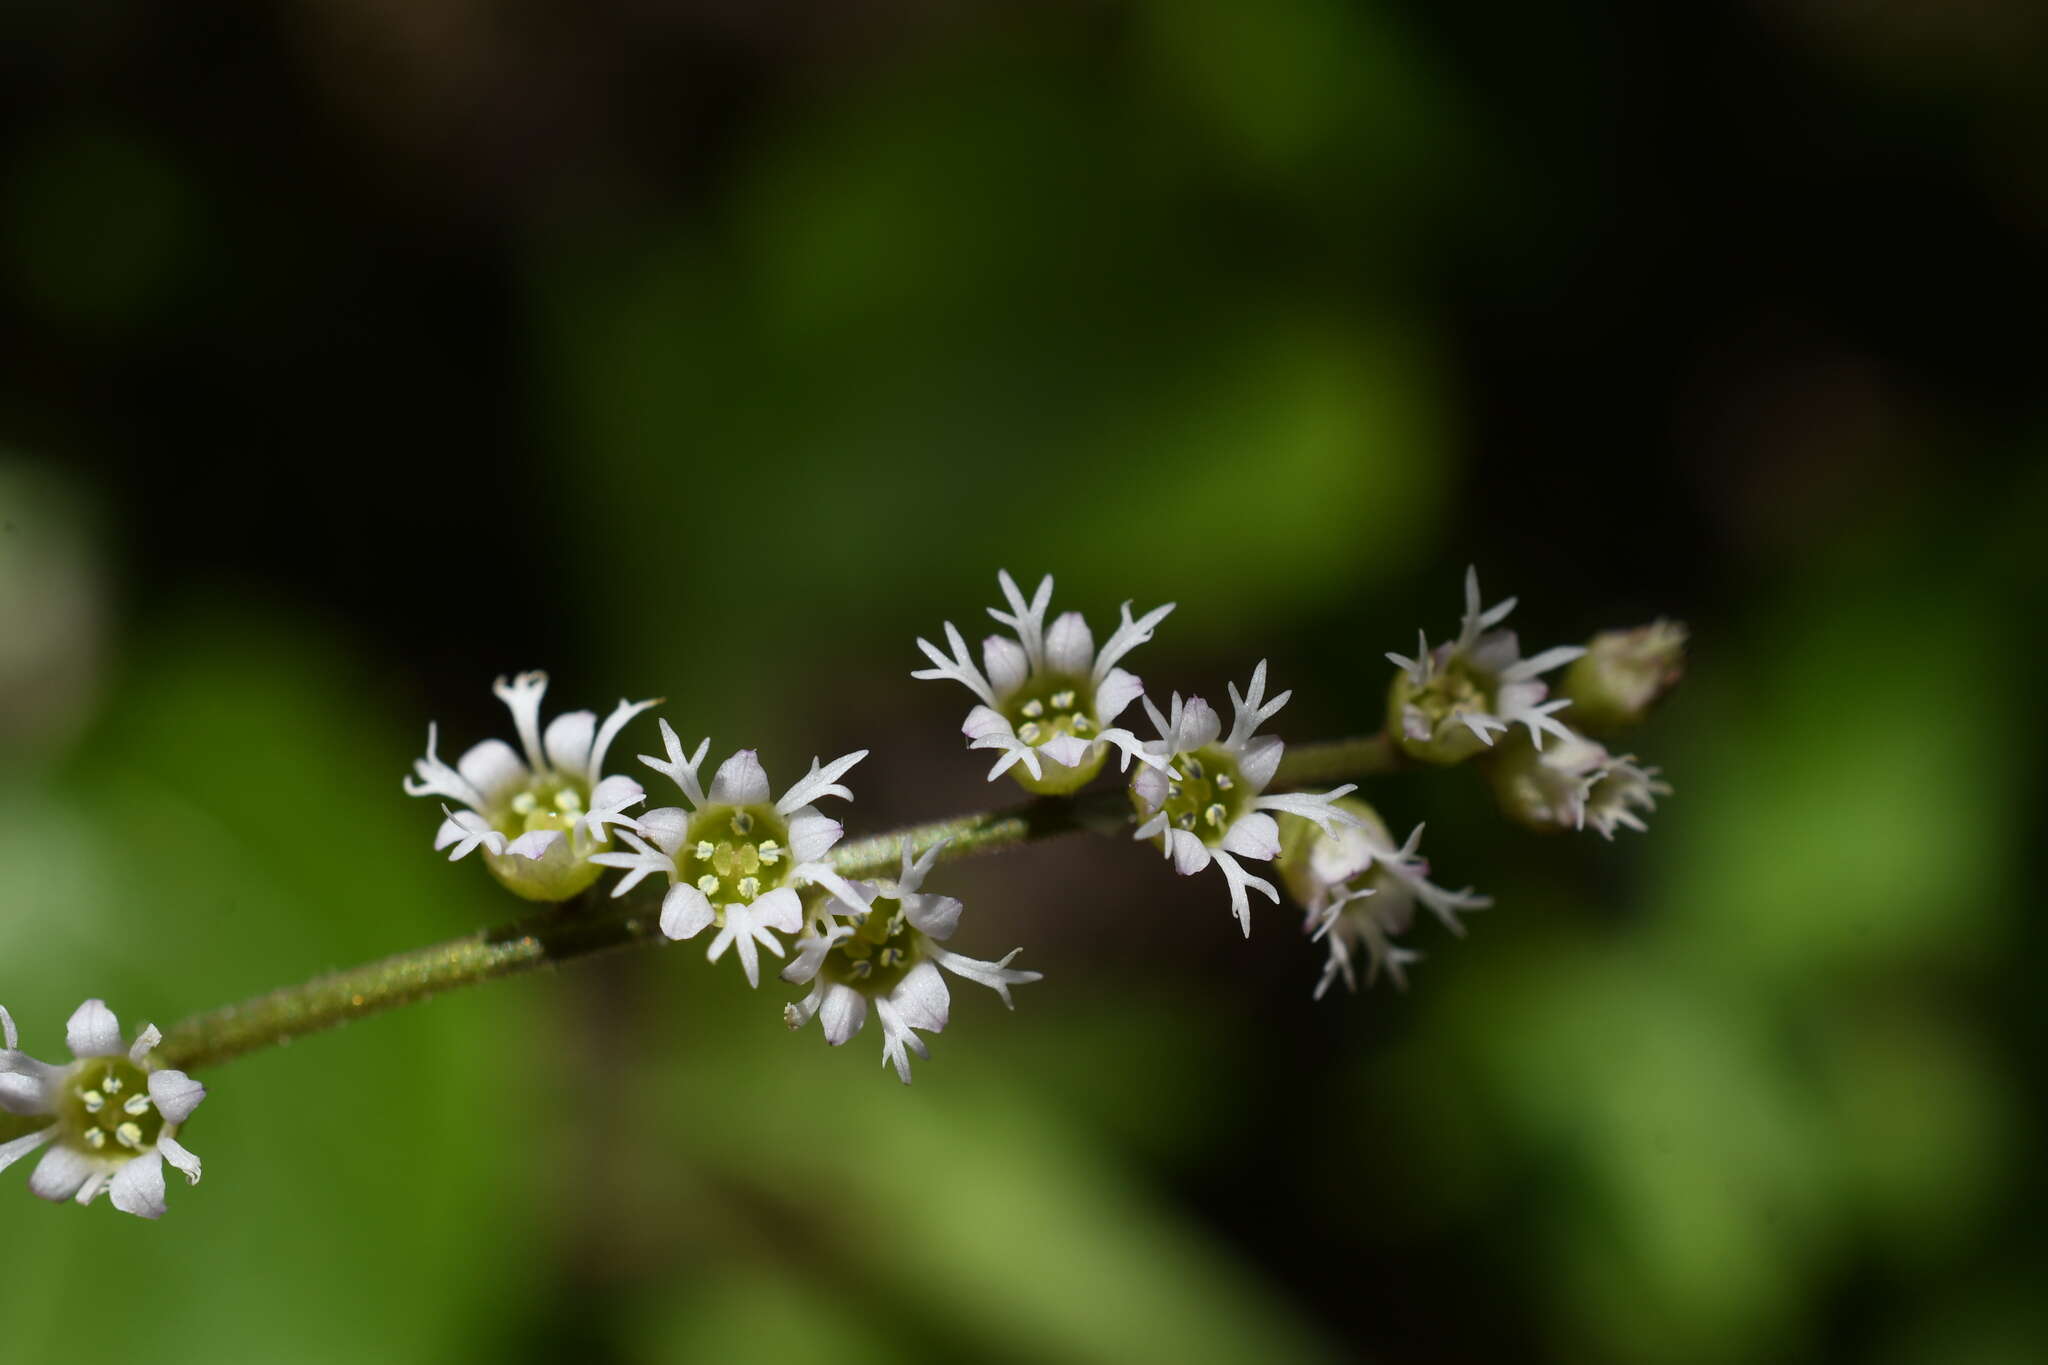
(1030, 733)
(94, 1101)
(1224, 782)
(1034, 708)
(1215, 815)
(137, 1104)
(112, 1085)
(129, 1135)
(705, 849)
(750, 887)
(770, 851)
(526, 803)
(96, 1138)
(1063, 701)
(742, 822)
(708, 884)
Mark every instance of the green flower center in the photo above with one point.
(106, 1107)
(552, 802)
(735, 853)
(1047, 707)
(1205, 793)
(1455, 690)
(879, 954)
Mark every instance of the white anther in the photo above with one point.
(137, 1104)
(708, 884)
(1034, 708)
(96, 1138)
(129, 1135)
(1064, 701)
(94, 1101)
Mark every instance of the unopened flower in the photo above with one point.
(1202, 794)
(1049, 696)
(736, 857)
(1623, 674)
(887, 952)
(1359, 890)
(1449, 703)
(538, 819)
(1623, 788)
(112, 1114)
(1571, 784)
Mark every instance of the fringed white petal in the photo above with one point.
(1026, 619)
(997, 976)
(820, 782)
(956, 668)
(1128, 636)
(1241, 880)
(897, 1039)
(432, 777)
(1252, 709)
(522, 698)
(643, 859)
(678, 768)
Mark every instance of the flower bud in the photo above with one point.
(1623, 674)
(1545, 791)
(1572, 784)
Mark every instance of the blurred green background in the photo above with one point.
(357, 353)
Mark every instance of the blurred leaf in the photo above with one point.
(235, 824)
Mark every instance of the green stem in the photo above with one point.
(589, 925)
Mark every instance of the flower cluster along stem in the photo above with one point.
(589, 924)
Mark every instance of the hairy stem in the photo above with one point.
(590, 925)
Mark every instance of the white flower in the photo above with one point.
(1572, 784)
(1048, 697)
(1619, 791)
(736, 857)
(1450, 702)
(1360, 890)
(538, 819)
(1201, 794)
(888, 952)
(1546, 790)
(112, 1115)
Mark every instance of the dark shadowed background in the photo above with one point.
(353, 352)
